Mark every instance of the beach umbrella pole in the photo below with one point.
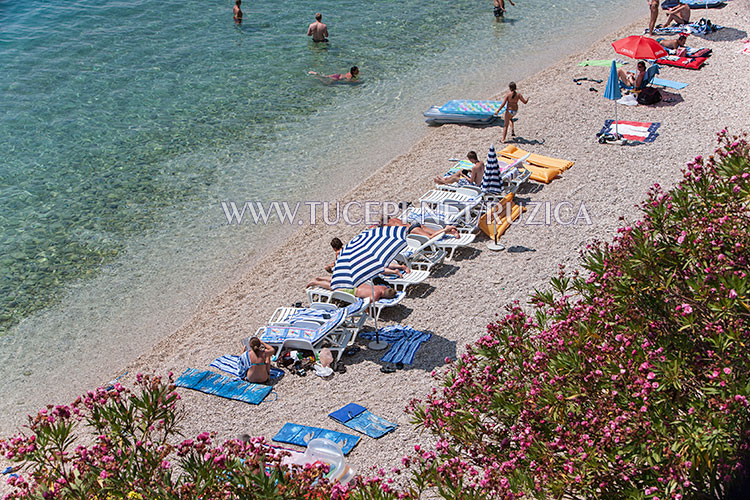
(494, 246)
(617, 132)
(377, 344)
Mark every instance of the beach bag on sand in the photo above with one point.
(649, 95)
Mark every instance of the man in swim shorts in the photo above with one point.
(500, 8)
(474, 177)
(317, 30)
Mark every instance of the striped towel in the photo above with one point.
(633, 131)
(316, 315)
(238, 365)
(406, 341)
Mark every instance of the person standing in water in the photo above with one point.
(511, 108)
(317, 30)
(237, 11)
(500, 8)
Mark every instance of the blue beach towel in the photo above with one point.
(669, 83)
(303, 434)
(225, 387)
(238, 365)
(406, 341)
(362, 420)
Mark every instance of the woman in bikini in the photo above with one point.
(259, 358)
(511, 108)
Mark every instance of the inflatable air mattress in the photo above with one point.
(464, 111)
(683, 62)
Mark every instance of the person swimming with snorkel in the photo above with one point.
(351, 76)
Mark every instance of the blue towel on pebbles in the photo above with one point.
(303, 434)
(225, 387)
(362, 420)
(238, 365)
(405, 339)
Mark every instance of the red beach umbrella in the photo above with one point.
(639, 47)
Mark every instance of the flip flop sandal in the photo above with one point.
(592, 89)
(387, 369)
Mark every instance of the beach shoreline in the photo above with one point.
(462, 297)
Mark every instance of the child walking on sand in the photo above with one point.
(511, 108)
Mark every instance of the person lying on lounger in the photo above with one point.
(418, 228)
(673, 44)
(392, 269)
(472, 177)
(363, 291)
(259, 358)
(633, 80)
(679, 14)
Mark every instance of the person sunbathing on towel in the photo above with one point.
(417, 228)
(633, 80)
(259, 360)
(673, 44)
(680, 14)
(472, 177)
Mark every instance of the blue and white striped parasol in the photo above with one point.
(366, 255)
(491, 182)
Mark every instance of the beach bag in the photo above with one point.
(649, 95)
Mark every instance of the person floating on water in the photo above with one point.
(317, 30)
(337, 77)
(500, 8)
(511, 108)
(237, 11)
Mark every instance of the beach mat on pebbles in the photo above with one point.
(633, 131)
(362, 420)
(303, 434)
(225, 387)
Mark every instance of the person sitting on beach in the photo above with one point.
(629, 79)
(350, 76)
(337, 246)
(673, 44)
(237, 11)
(500, 8)
(258, 358)
(472, 177)
(679, 14)
(417, 228)
(511, 108)
(317, 30)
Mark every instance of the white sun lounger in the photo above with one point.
(447, 242)
(400, 284)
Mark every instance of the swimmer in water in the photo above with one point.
(337, 77)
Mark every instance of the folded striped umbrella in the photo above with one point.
(366, 255)
(491, 181)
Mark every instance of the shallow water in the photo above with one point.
(124, 124)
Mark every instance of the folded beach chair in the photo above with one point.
(401, 283)
(435, 197)
(312, 336)
(317, 312)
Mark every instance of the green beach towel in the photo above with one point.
(601, 62)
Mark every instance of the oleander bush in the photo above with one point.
(627, 380)
(129, 454)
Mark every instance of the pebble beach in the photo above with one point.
(462, 296)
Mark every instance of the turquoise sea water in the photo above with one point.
(123, 124)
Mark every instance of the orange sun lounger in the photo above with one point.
(513, 152)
